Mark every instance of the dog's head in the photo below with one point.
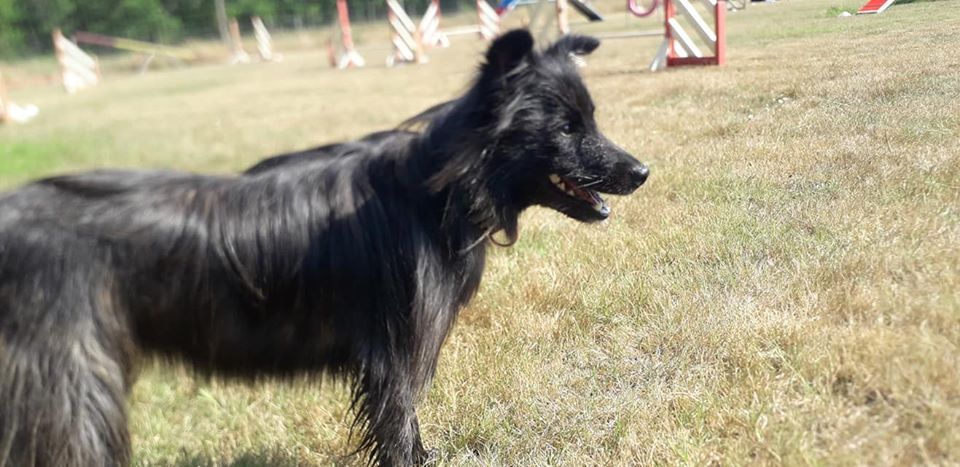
(545, 147)
(525, 134)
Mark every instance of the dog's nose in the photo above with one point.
(639, 174)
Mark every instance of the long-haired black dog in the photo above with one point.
(350, 260)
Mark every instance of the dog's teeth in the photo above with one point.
(571, 193)
(555, 179)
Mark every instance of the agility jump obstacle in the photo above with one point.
(563, 23)
(488, 20)
(78, 70)
(406, 37)
(11, 112)
(151, 50)
(237, 54)
(430, 31)
(133, 46)
(488, 23)
(409, 40)
(343, 54)
(874, 7)
(262, 36)
(679, 48)
(264, 41)
(541, 21)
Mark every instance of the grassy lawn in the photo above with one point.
(784, 290)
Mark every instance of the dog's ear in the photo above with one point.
(573, 44)
(508, 51)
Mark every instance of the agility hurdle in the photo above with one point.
(488, 23)
(343, 54)
(237, 54)
(874, 7)
(78, 70)
(405, 37)
(488, 20)
(151, 50)
(264, 41)
(563, 23)
(10, 111)
(132, 45)
(430, 31)
(678, 47)
(560, 15)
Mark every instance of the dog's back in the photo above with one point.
(383, 142)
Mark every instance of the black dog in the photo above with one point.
(350, 260)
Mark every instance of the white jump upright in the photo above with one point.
(78, 70)
(488, 20)
(343, 54)
(404, 35)
(10, 111)
(264, 41)
(430, 27)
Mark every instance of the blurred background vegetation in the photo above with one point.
(25, 25)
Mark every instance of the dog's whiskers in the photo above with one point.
(590, 184)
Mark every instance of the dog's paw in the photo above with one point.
(427, 457)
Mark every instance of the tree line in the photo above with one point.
(25, 25)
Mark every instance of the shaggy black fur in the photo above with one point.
(349, 260)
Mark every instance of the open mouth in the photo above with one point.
(589, 197)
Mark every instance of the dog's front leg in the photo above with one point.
(388, 405)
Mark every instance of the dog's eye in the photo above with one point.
(567, 129)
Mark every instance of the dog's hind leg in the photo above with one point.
(62, 380)
(61, 406)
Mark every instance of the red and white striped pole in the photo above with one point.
(489, 20)
(237, 54)
(430, 27)
(678, 47)
(347, 56)
(720, 13)
(669, 11)
(404, 35)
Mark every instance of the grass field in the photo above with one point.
(784, 290)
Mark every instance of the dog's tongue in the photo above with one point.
(589, 196)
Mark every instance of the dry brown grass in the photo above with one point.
(786, 289)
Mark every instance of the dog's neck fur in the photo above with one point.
(454, 163)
